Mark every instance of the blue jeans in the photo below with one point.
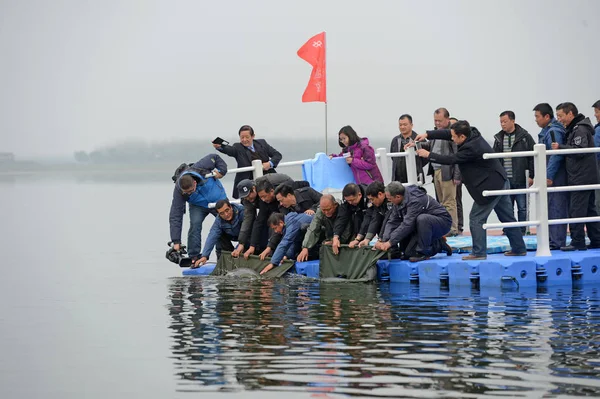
(197, 216)
(521, 200)
(502, 205)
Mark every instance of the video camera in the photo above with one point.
(180, 257)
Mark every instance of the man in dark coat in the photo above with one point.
(582, 169)
(248, 150)
(478, 174)
(300, 200)
(249, 198)
(513, 138)
(416, 217)
(352, 212)
(405, 125)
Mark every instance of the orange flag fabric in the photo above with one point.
(313, 52)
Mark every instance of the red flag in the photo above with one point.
(313, 52)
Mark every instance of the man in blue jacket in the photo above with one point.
(596, 107)
(556, 172)
(226, 228)
(192, 186)
(292, 227)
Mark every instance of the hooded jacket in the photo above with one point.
(364, 163)
(581, 168)
(402, 221)
(555, 169)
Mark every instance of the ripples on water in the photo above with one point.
(383, 340)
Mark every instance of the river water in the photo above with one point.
(90, 308)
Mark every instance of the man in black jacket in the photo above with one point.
(478, 174)
(405, 125)
(513, 138)
(352, 211)
(247, 192)
(582, 169)
(301, 200)
(247, 150)
(375, 217)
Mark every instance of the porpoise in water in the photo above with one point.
(243, 272)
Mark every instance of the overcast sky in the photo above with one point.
(75, 75)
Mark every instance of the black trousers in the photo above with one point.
(225, 244)
(459, 207)
(582, 204)
(427, 238)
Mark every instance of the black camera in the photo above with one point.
(179, 257)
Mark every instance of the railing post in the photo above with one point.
(258, 169)
(543, 234)
(411, 166)
(383, 163)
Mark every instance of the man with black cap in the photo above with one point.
(247, 192)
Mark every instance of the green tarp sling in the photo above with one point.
(227, 263)
(356, 264)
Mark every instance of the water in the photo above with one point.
(90, 308)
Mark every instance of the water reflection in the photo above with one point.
(385, 340)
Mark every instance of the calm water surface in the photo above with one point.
(90, 308)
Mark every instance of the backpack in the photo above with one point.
(187, 166)
(180, 169)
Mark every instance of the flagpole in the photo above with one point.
(327, 153)
(325, 54)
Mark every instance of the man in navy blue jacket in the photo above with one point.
(556, 172)
(226, 228)
(199, 191)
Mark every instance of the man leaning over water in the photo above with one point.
(478, 175)
(291, 227)
(416, 225)
(198, 191)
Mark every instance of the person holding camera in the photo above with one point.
(246, 151)
(194, 187)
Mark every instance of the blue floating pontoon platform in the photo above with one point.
(497, 271)
(200, 271)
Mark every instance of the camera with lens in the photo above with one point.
(179, 257)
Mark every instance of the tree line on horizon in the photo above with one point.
(190, 150)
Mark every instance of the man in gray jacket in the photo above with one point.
(445, 177)
(416, 225)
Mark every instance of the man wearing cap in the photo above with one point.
(247, 192)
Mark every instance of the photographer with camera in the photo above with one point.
(192, 186)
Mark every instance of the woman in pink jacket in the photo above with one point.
(359, 155)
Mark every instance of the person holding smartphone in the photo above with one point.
(246, 151)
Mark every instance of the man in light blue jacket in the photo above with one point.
(556, 172)
(292, 227)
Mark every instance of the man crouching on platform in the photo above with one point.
(416, 225)
(292, 227)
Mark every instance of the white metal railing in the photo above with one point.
(382, 162)
(540, 187)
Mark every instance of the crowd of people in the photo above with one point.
(279, 218)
